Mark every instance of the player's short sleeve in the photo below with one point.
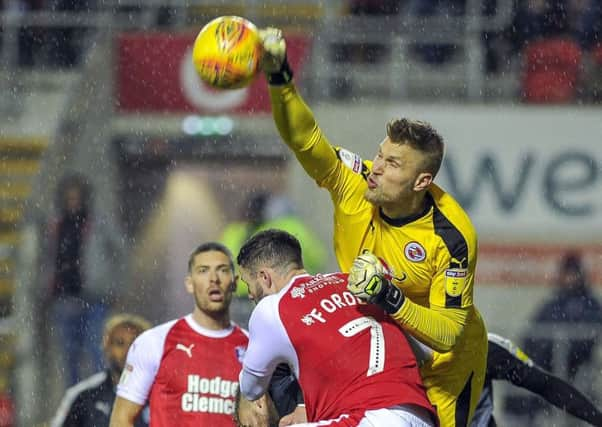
(142, 364)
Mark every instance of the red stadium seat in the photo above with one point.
(551, 71)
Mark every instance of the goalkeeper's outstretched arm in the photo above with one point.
(294, 120)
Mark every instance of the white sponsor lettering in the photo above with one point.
(213, 395)
(329, 305)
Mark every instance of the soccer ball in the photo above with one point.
(227, 51)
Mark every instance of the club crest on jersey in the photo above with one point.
(415, 252)
(455, 281)
(351, 160)
(298, 292)
(240, 351)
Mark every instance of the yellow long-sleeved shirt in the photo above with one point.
(433, 254)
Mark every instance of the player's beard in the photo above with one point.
(375, 196)
(258, 295)
(213, 308)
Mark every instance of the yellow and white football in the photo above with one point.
(227, 52)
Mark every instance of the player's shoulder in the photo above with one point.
(445, 202)
(353, 161)
(451, 211)
(239, 330)
(266, 308)
(156, 335)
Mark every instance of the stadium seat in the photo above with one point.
(551, 71)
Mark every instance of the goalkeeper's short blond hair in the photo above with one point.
(132, 321)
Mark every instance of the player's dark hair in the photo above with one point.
(208, 247)
(422, 137)
(273, 248)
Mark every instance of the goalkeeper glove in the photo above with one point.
(370, 280)
(274, 62)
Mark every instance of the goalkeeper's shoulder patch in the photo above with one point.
(353, 161)
(349, 159)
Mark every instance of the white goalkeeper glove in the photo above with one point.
(370, 280)
(274, 62)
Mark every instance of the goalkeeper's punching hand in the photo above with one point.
(370, 280)
(274, 62)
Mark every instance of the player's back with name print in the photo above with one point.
(351, 355)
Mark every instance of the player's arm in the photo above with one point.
(268, 347)
(508, 362)
(138, 376)
(124, 413)
(294, 119)
(437, 327)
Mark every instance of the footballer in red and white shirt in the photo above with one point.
(187, 369)
(354, 364)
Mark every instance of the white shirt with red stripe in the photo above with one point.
(188, 373)
(348, 357)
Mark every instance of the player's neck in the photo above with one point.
(211, 321)
(288, 277)
(409, 207)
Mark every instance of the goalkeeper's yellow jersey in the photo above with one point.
(433, 256)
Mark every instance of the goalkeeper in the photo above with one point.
(391, 207)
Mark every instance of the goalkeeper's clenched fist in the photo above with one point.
(274, 62)
(370, 280)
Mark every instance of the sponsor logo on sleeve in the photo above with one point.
(125, 374)
(351, 160)
(455, 281)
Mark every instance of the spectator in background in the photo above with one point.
(552, 59)
(83, 253)
(572, 307)
(572, 304)
(89, 403)
(261, 212)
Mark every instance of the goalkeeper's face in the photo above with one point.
(396, 175)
